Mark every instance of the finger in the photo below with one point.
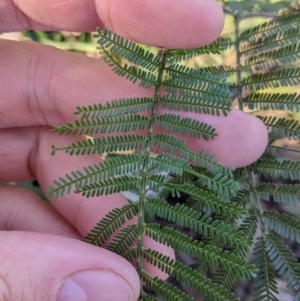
(232, 146)
(241, 140)
(170, 24)
(81, 213)
(41, 85)
(21, 209)
(38, 267)
(75, 80)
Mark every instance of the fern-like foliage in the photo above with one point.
(272, 51)
(282, 127)
(113, 221)
(265, 286)
(283, 224)
(273, 101)
(187, 275)
(286, 194)
(223, 218)
(283, 260)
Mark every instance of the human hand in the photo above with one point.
(42, 257)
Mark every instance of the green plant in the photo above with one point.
(224, 205)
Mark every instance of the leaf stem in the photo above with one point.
(247, 15)
(258, 208)
(238, 63)
(145, 171)
(257, 15)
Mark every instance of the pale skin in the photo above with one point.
(40, 87)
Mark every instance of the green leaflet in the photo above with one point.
(122, 241)
(175, 55)
(132, 122)
(271, 149)
(271, 27)
(168, 291)
(109, 186)
(188, 276)
(127, 49)
(169, 143)
(275, 79)
(178, 71)
(220, 183)
(273, 101)
(115, 108)
(115, 166)
(219, 70)
(285, 169)
(214, 256)
(249, 226)
(110, 223)
(271, 58)
(224, 279)
(283, 224)
(277, 39)
(283, 260)
(209, 201)
(194, 88)
(192, 103)
(147, 80)
(242, 198)
(282, 127)
(207, 227)
(265, 286)
(146, 297)
(286, 194)
(103, 145)
(186, 126)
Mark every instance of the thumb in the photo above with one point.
(48, 267)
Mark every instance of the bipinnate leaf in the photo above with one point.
(166, 290)
(128, 50)
(116, 166)
(265, 287)
(286, 169)
(115, 108)
(273, 101)
(283, 260)
(220, 208)
(285, 194)
(123, 240)
(188, 276)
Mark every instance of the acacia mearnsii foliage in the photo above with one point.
(224, 207)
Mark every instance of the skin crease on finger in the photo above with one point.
(37, 271)
(75, 211)
(18, 207)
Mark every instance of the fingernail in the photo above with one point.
(95, 286)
